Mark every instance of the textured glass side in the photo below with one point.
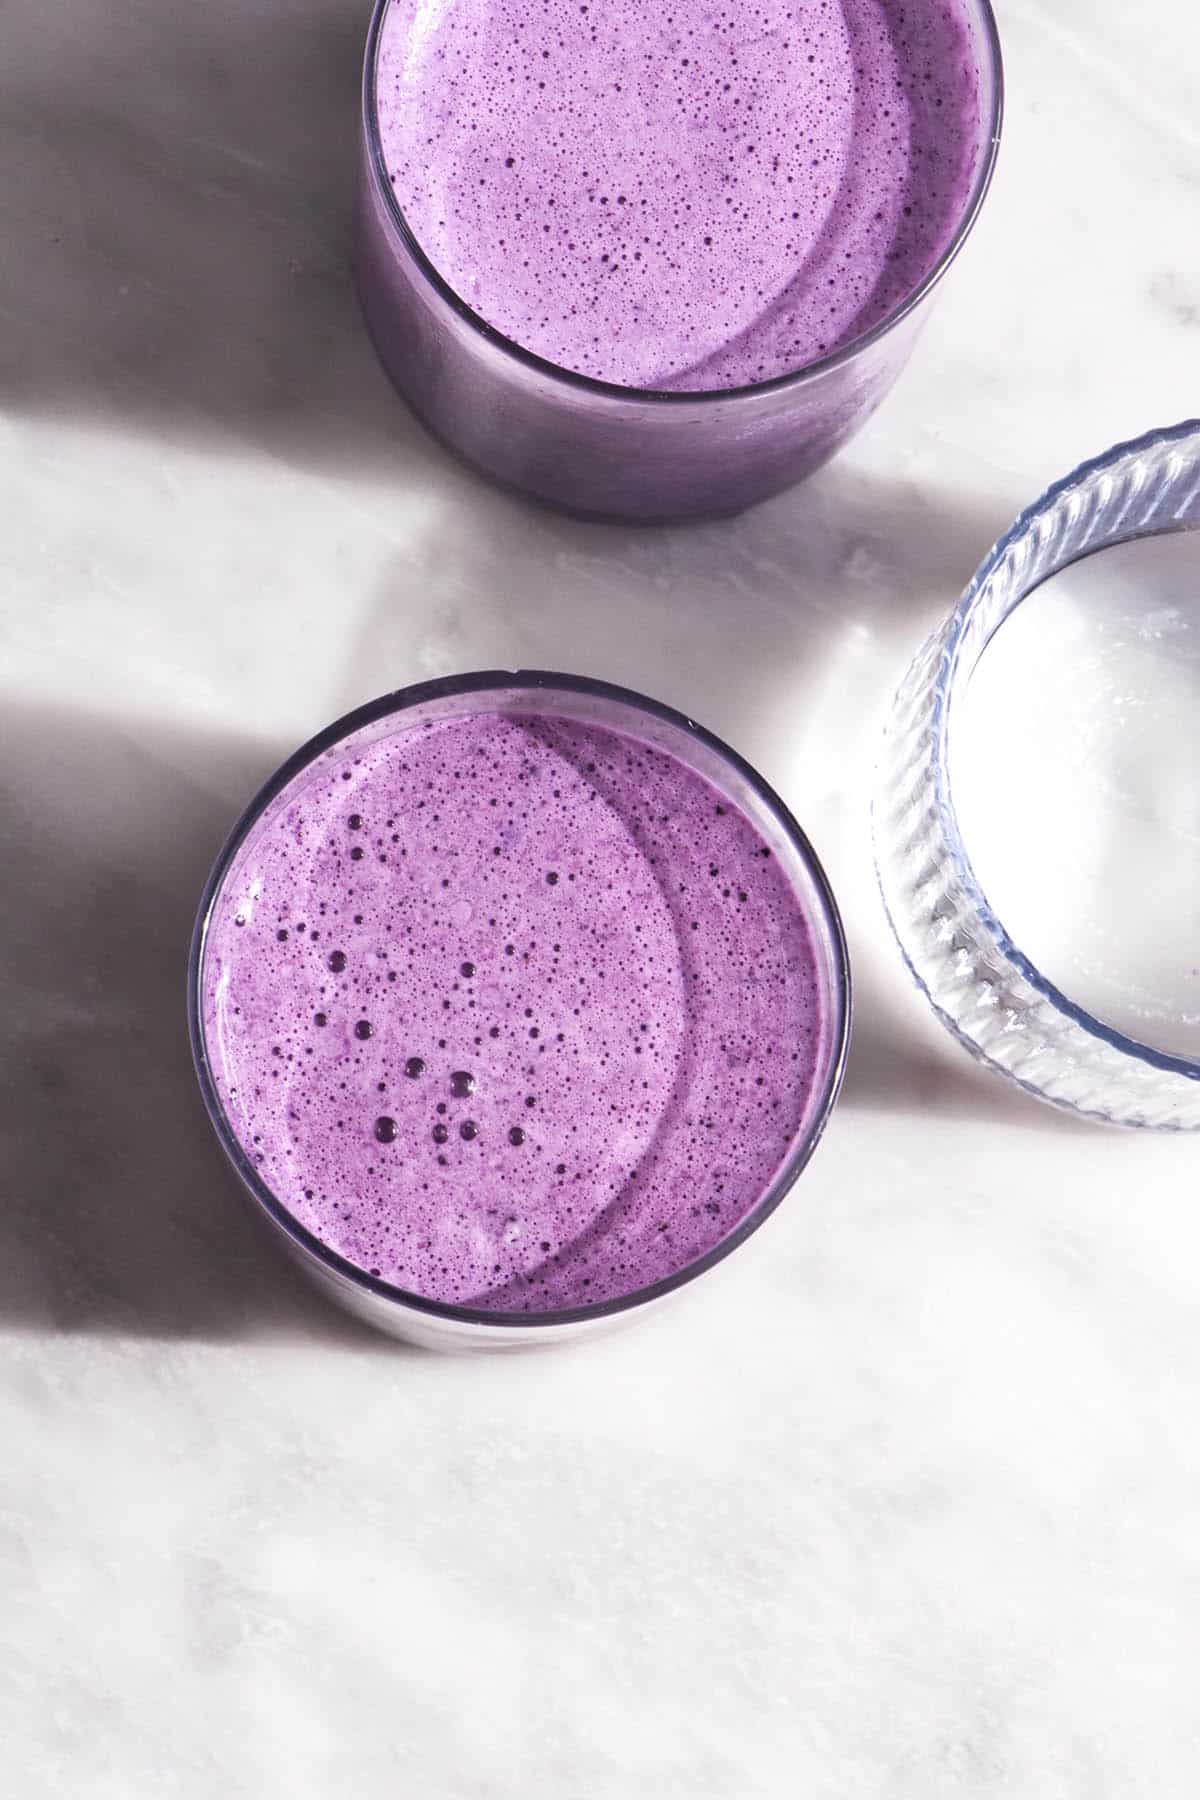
(979, 984)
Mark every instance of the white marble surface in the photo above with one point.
(902, 1501)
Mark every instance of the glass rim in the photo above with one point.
(611, 390)
(953, 671)
(506, 681)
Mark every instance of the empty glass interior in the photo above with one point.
(1073, 760)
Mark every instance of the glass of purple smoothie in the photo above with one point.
(653, 263)
(517, 1001)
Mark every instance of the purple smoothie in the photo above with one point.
(514, 1012)
(678, 196)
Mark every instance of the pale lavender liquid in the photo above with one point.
(677, 196)
(512, 1012)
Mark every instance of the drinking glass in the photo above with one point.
(1073, 968)
(598, 449)
(434, 1323)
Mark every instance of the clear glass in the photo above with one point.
(618, 452)
(1097, 680)
(413, 1316)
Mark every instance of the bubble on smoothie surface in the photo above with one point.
(681, 196)
(607, 1092)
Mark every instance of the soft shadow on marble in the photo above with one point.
(119, 1212)
(177, 224)
(722, 617)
